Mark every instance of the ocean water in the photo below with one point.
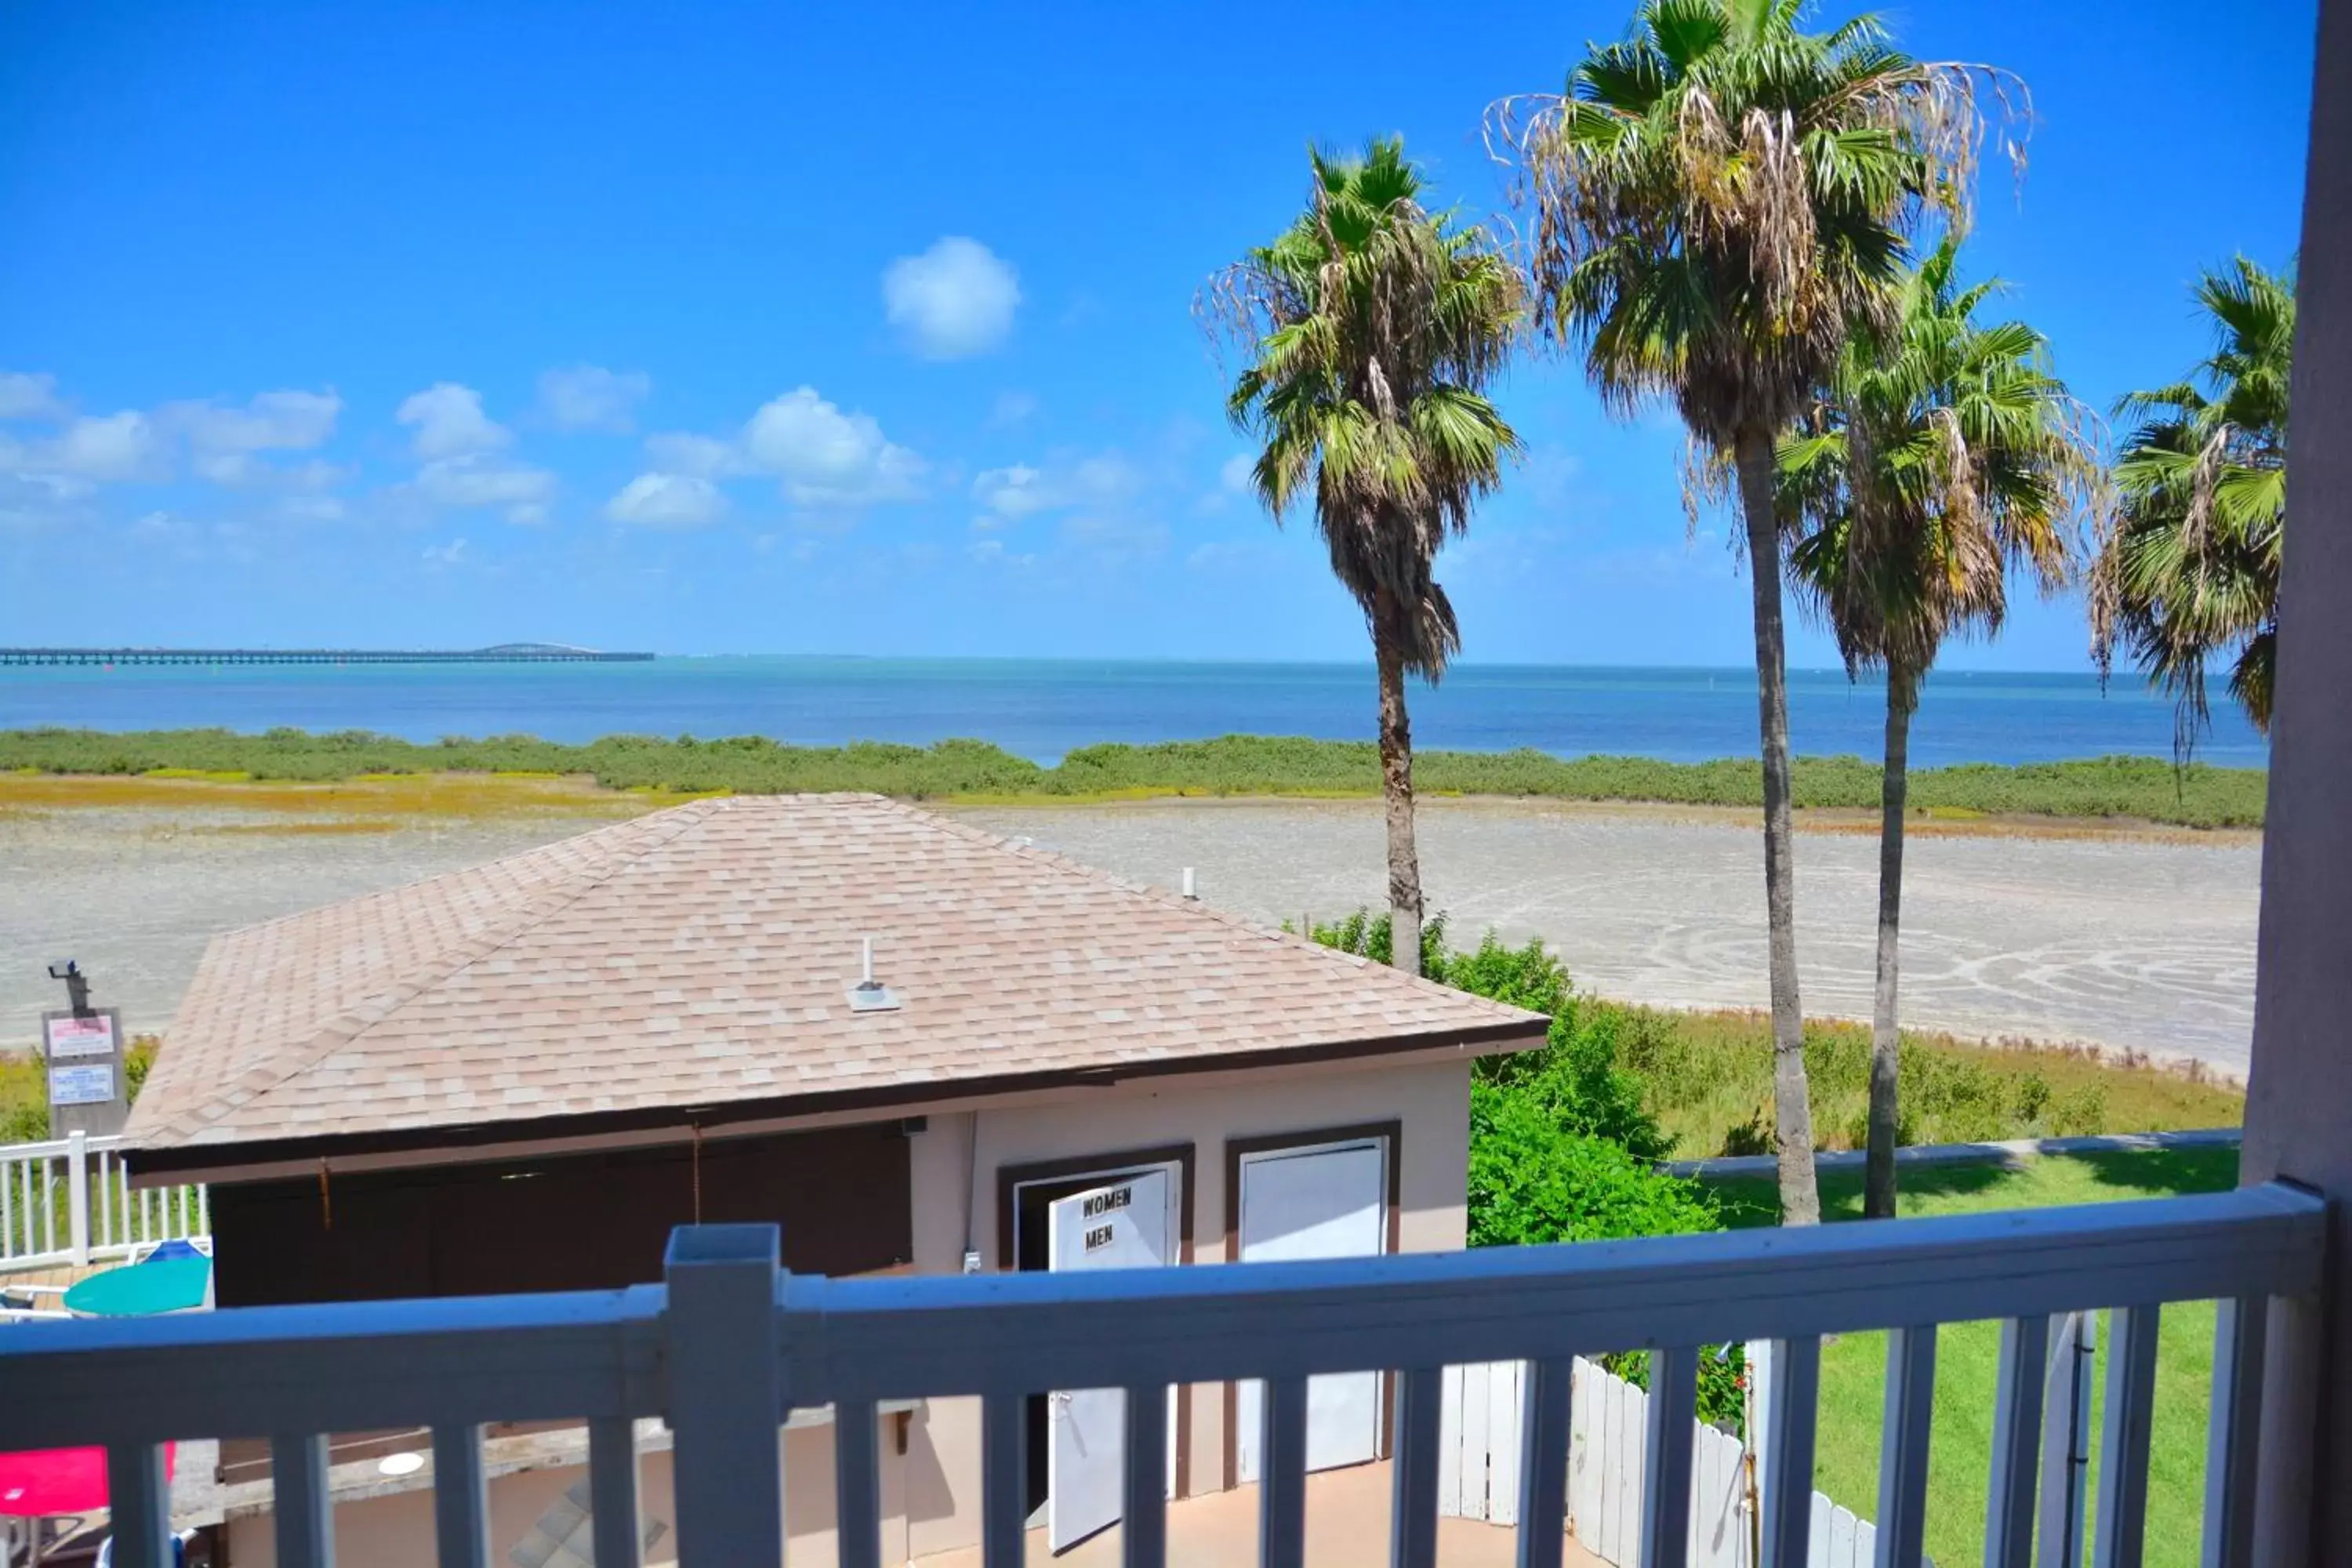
(1043, 709)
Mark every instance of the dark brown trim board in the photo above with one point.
(153, 1166)
(1391, 1133)
(1011, 1177)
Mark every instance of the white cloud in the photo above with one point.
(823, 455)
(704, 457)
(954, 301)
(311, 509)
(1016, 491)
(1230, 556)
(991, 553)
(827, 458)
(450, 422)
(1012, 408)
(112, 447)
(222, 441)
(442, 556)
(590, 397)
(57, 489)
(1550, 474)
(1236, 481)
(36, 501)
(287, 421)
(1109, 478)
(474, 481)
(667, 500)
(315, 475)
(27, 395)
(243, 469)
(229, 467)
(1114, 538)
(1103, 481)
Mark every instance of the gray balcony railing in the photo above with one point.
(728, 1344)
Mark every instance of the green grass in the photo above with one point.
(1959, 1458)
(1707, 1078)
(2133, 788)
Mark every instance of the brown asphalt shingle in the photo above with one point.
(703, 955)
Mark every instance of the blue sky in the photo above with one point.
(744, 328)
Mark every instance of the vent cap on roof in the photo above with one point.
(869, 994)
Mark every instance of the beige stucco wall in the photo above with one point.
(1431, 1100)
(930, 1496)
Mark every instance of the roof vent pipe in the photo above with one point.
(1190, 891)
(869, 994)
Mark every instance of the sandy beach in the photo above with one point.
(2128, 940)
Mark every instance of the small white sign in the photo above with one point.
(92, 1084)
(88, 1037)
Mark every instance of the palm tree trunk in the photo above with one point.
(1879, 1185)
(1396, 787)
(1793, 1114)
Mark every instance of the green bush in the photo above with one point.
(1575, 1077)
(1722, 1382)
(1533, 1180)
(1370, 936)
(2079, 1112)
(25, 1093)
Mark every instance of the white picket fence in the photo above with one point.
(69, 1201)
(1479, 1445)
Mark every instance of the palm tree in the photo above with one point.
(2188, 568)
(1718, 200)
(1375, 327)
(1944, 454)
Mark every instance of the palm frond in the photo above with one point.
(2187, 567)
(1375, 327)
(1942, 456)
(1720, 199)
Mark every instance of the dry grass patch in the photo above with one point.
(1708, 1078)
(391, 797)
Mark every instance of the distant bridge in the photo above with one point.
(504, 653)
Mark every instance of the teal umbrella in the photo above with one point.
(140, 1289)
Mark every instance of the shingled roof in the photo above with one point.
(701, 957)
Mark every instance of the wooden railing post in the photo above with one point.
(726, 1394)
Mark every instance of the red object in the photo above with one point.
(49, 1481)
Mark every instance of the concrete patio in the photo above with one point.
(1346, 1523)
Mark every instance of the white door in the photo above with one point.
(1325, 1203)
(1122, 1226)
